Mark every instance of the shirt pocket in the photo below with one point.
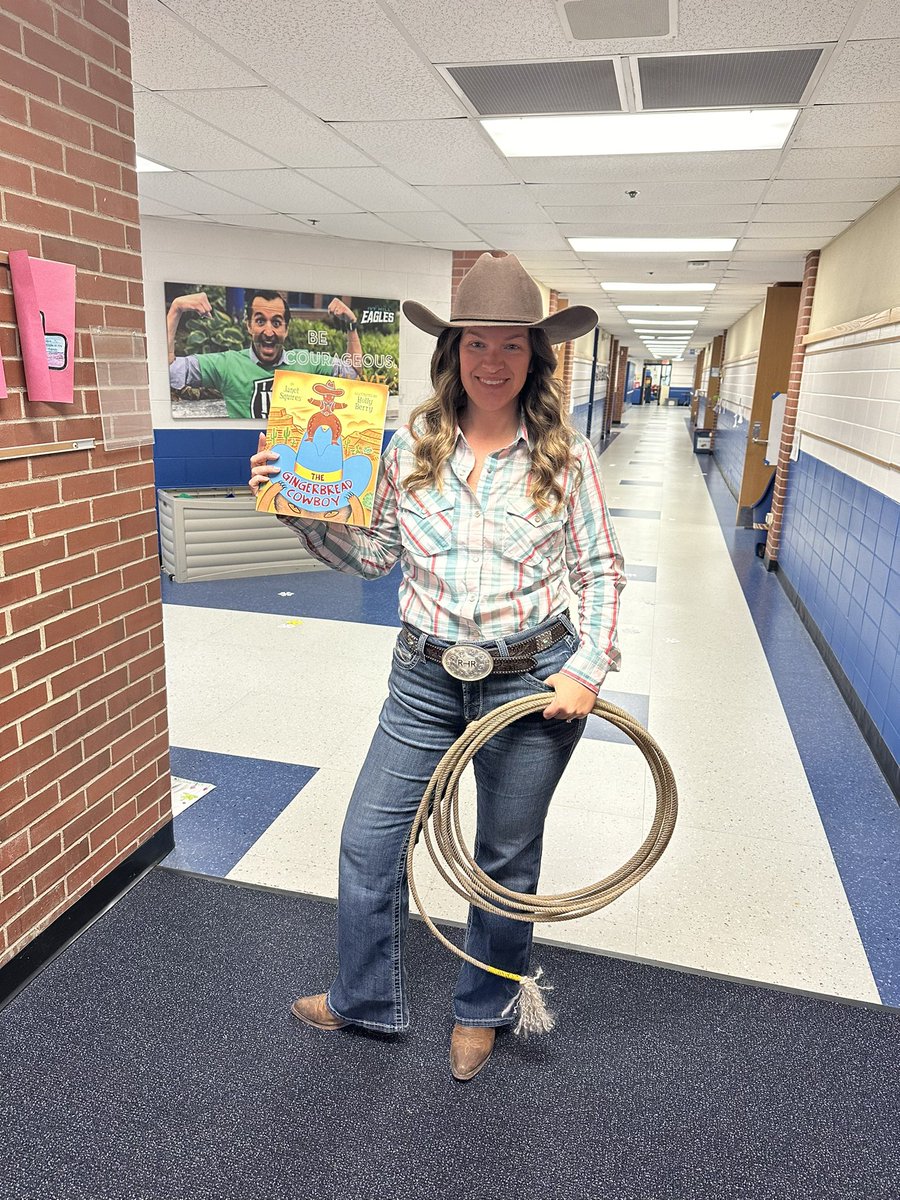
(426, 524)
(532, 535)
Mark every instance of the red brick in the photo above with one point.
(13, 106)
(113, 145)
(17, 589)
(15, 175)
(36, 612)
(100, 641)
(62, 188)
(96, 587)
(31, 863)
(125, 123)
(62, 865)
(48, 717)
(27, 211)
(84, 776)
(14, 649)
(98, 109)
(53, 54)
(31, 12)
(139, 831)
(110, 83)
(133, 237)
(93, 868)
(102, 17)
(32, 920)
(50, 767)
(43, 665)
(66, 571)
(121, 263)
(79, 253)
(71, 626)
(108, 735)
(124, 318)
(29, 79)
(137, 526)
(126, 650)
(91, 167)
(82, 37)
(91, 536)
(61, 517)
(60, 123)
(13, 849)
(21, 704)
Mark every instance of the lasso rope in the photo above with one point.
(443, 837)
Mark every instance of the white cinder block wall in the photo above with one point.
(195, 251)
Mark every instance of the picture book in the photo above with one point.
(327, 434)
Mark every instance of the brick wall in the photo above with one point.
(789, 423)
(83, 733)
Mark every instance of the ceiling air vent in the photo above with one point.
(516, 89)
(603, 20)
(726, 80)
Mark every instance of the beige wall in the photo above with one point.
(859, 272)
(745, 335)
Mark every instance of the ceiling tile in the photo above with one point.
(372, 189)
(459, 30)
(280, 190)
(430, 227)
(156, 208)
(274, 221)
(849, 125)
(813, 213)
(633, 169)
(364, 226)
(515, 237)
(431, 152)
(819, 231)
(846, 161)
(863, 72)
(653, 192)
(671, 229)
(829, 191)
(166, 52)
(192, 194)
(498, 203)
(338, 59)
(264, 119)
(175, 138)
(878, 20)
(785, 244)
(651, 216)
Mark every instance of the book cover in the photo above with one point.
(327, 434)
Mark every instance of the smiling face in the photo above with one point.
(268, 329)
(493, 365)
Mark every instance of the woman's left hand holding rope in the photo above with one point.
(571, 699)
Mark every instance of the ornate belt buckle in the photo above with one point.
(468, 663)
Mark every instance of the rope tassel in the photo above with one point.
(438, 821)
(533, 1014)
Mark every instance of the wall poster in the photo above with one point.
(225, 344)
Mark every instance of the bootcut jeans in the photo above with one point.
(516, 773)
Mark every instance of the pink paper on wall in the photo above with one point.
(44, 295)
(3, 392)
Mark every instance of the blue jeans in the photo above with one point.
(516, 774)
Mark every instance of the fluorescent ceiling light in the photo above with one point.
(650, 245)
(658, 287)
(646, 322)
(144, 164)
(661, 308)
(642, 133)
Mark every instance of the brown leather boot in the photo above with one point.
(313, 1010)
(470, 1048)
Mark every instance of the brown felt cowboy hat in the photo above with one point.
(499, 291)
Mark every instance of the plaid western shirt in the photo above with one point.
(486, 564)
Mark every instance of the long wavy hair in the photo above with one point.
(542, 403)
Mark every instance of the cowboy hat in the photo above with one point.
(499, 291)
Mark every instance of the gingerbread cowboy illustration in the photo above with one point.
(328, 393)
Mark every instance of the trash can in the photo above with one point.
(703, 441)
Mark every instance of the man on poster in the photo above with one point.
(244, 377)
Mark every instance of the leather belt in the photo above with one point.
(469, 662)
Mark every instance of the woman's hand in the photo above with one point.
(571, 699)
(262, 465)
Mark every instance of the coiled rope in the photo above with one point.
(439, 822)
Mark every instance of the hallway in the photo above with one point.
(750, 887)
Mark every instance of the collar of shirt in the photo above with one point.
(463, 459)
(251, 354)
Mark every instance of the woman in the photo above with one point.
(493, 506)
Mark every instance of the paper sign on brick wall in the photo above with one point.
(44, 295)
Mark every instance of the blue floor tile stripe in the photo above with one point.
(858, 811)
(215, 833)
